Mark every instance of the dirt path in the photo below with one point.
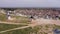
(13, 23)
(14, 29)
(29, 25)
(37, 22)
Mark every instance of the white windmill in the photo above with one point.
(8, 15)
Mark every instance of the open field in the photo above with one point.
(39, 29)
(16, 19)
(2, 17)
(42, 26)
(9, 26)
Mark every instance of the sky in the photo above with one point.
(30, 3)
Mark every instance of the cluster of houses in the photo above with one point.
(35, 13)
(40, 13)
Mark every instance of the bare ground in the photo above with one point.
(46, 21)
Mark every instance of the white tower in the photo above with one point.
(8, 15)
